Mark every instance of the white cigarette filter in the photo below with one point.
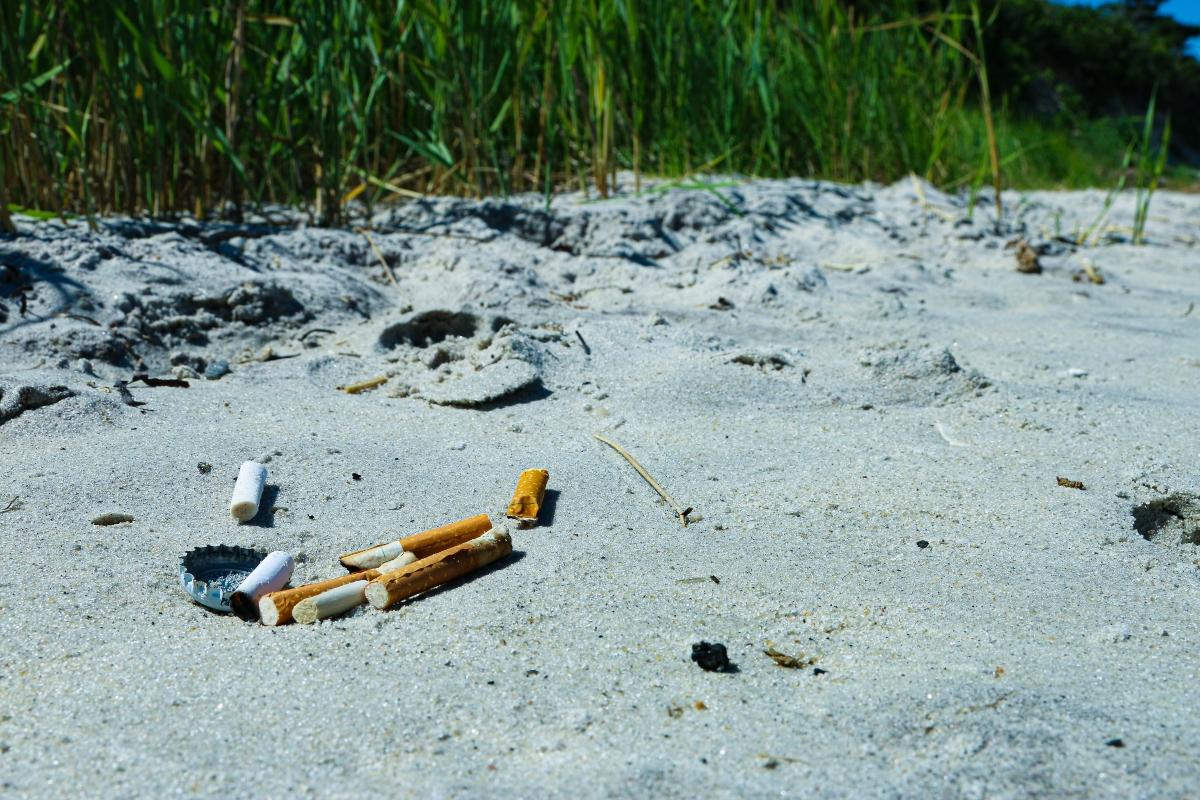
(271, 574)
(248, 491)
(403, 560)
(373, 557)
(330, 603)
(390, 588)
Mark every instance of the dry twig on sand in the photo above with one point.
(378, 254)
(362, 386)
(1091, 273)
(680, 511)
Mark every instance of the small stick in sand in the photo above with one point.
(386, 266)
(271, 574)
(1093, 274)
(680, 511)
(389, 589)
(528, 496)
(247, 491)
(362, 386)
(421, 544)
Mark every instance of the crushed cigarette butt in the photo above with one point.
(1070, 484)
(528, 496)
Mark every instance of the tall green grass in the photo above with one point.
(163, 106)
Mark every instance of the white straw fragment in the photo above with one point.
(247, 491)
(330, 603)
(271, 574)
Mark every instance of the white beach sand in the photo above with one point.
(830, 375)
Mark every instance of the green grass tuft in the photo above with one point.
(164, 106)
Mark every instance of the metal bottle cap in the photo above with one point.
(211, 574)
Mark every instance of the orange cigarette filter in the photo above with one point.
(390, 588)
(527, 499)
(420, 545)
(276, 607)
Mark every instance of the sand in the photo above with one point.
(864, 402)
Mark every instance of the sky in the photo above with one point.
(1182, 10)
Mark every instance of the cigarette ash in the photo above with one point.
(919, 376)
(228, 582)
(456, 358)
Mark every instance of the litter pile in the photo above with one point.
(253, 584)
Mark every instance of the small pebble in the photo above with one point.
(218, 368)
(204, 467)
(922, 544)
(712, 657)
(111, 518)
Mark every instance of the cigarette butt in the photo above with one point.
(421, 544)
(247, 491)
(277, 608)
(272, 573)
(372, 557)
(362, 386)
(527, 499)
(388, 589)
(402, 560)
(330, 603)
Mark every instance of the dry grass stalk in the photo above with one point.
(362, 386)
(680, 511)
